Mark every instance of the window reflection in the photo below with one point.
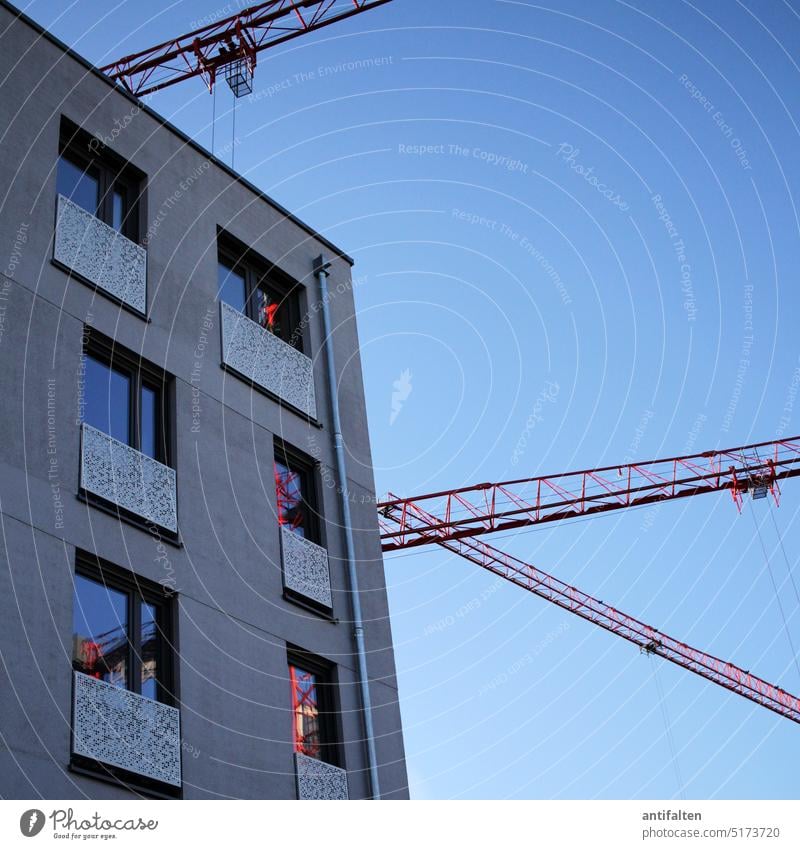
(262, 294)
(116, 636)
(107, 399)
(149, 414)
(305, 708)
(231, 288)
(98, 181)
(118, 210)
(268, 311)
(149, 656)
(289, 493)
(80, 185)
(100, 632)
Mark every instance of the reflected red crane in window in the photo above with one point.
(305, 711)
(104, 656)
(289, 495)
(91, 653)
(267, 314)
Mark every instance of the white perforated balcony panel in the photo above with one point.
(125, 730)
(124, 476)
(267, 360)
(100, 254)
(305, 568)
(318, 780)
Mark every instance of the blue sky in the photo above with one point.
(575, 231)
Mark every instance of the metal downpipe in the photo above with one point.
(321, 270)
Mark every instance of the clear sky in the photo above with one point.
(576, 240)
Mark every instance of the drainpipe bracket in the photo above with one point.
(322, 266)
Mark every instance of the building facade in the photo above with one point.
(175, 614)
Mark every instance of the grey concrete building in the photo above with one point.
(175, 618)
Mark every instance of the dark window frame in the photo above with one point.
(138, 591)
(113, 173)
(308, 469)
(329, 709)
(259, 273)
(141, 374)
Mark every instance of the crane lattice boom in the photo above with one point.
(453, 518)
(239, 37)
(488, 507)
(573, 600)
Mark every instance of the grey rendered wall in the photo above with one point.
(233, 622)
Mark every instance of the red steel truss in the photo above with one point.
(649, 639)
(488, 507)
(239, 37)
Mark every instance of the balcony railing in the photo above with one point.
(121, 475)
(305, 568)
(100, 254)
(267, 360)
(125, 730)
(318, 780)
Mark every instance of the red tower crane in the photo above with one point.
(229, 45)
(454, 518)
(461, 514)
(488, 507)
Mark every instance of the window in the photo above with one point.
(121, 630)
(260, 291)
(80, 183)
(295, 493)
(98, 181)
(314, 717)
(126, 398)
